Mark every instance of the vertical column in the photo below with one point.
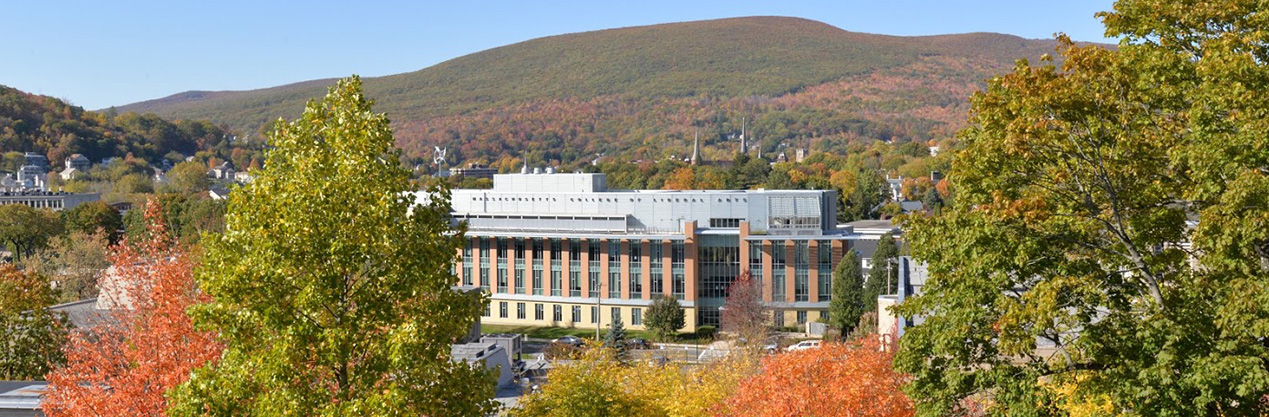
(585, 264)
(645, 269)
(689, 261)
(625, 269)
(767, 290)
(813, 277)
(667, 268)
(790, 274)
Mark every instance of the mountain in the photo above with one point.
(645, 92)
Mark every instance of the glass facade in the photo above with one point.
(574, 268)
(636, 270)
(556, 265)
(519, 265)
(801, 271)
(755, 263)
(537, 266)
(502, 265)
(655, 261)
(825, 257)
(778, 254)
(484, 265)
(677, 254)
(718, 267)
(467, 277)
(614, 269)
(593, 249)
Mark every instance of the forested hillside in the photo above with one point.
(645, 92)
(46, 125)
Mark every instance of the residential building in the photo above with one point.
(564, 250)
(57, 201)
(75, 165)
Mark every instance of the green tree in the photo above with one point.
(864, 200)
(93, 216)
(75, 262)
(188, 177)
(883, 278)
(848, 303)
(24, 230)
(1076, 190)
(331, 285)
(615, 338)
(30, 337)
(664, 317)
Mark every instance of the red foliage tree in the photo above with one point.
(837, 379)
(743, 313)
(125, 366)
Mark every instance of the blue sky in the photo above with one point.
(98, 54)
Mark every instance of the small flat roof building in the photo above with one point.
(54, 200)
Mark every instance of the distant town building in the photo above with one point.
(224, 171)
(242, 177)
(563, 250)
(32, 158)
(896, 188)
(32, 177)
(75, 165)
(56, 201)
(473, 171)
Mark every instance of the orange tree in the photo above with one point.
(838, 379)
(124, 367)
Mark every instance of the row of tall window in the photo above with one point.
(557, 313)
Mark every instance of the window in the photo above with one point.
(724, 223)
(593, 272)
(616, 313)
(677, 255)
(719, 266)
(755, 263)
(556, 252)
(779, 253)
(636, 317)
(802, 317)
(614, 269)
(538, 312)
(577, 314)
(557, 313)
(636, 269)
(488, 310)
(574, 268)
(825, 271)
(537, 267)
(594, 314)
(777, 318)
(502, 309)
(801, 271)
(467, 276)
(484, 264)
(520, 311)
(655, 268)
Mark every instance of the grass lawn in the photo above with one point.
(582, 332)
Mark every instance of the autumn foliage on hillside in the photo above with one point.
(838, 379)
(124, 368)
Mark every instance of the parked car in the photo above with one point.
(573, 341)
(638, 343)
(804, 345)
(772, 346)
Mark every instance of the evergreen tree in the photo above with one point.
(848, 303)
(615, 338)
(665, 317)
(884, 276)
